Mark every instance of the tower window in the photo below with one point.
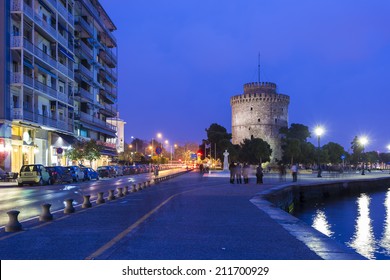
(251, 108)
(276, 120)
(258, 120)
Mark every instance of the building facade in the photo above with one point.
(260, 112)
(52, 88)
(120, 132)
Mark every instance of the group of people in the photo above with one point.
(239, 171)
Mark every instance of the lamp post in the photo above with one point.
(363, 141)
(319, 131)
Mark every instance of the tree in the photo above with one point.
(83, 149)
(295, 146)
(255, 151)
(218, 136)
(334, 152)
(357, 150)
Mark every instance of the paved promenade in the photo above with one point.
(190, 217)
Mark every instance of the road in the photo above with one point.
(28, 199)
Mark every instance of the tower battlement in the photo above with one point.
(260, 87)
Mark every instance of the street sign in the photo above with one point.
(158, 150)
(342, 157)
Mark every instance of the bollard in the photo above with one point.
(134, 189)
(45, 215)
(69, 206)
(145, 185)
(111, 195)
(149, 183)
(126, 192)
(139, 186)
(13, 223)
(86, 202)
(120, 192)
(100, 198)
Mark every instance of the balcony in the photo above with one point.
(84, 117)
(45, 57)
(45, 26)
(45, 89)
(85, 25)
(53, 122)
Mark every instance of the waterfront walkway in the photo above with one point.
(187, 217)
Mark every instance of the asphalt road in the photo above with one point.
(28, 199)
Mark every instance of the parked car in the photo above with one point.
(90, 173)
(33, 174)
(118, 170)
(106, 171)
(59, 174)
(76, 172)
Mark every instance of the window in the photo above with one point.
(44, 48)
(258, 120)
(15, 30)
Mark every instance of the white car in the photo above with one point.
(76, 172)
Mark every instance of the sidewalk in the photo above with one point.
(188, 217)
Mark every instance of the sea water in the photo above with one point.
(361, 222)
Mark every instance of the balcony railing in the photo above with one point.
(90, 119)
(45, 89)
(84, 24)
(45, 26)
(53, 122)
(16, 77)
(45, 57)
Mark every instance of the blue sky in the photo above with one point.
(181, 61)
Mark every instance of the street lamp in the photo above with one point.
(388, 147)
(319, 131)
(363, 141)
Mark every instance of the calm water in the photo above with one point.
(361, 222)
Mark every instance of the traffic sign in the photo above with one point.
(158, 150)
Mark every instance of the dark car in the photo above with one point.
(59, 174)
(90, 174)
(106, 171)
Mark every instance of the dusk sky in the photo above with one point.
(180, 61)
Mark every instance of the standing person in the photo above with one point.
(238, 173)
(245, 173)
(232, 169)
(259, 174)
(282, 172)
(294, 172)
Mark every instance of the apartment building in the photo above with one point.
(58, 79)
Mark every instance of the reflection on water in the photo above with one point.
(362, 222)
(385, 240)
(321, 224)
(363, 241)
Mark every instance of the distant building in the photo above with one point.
(259, 113)
(120, 130)
(58, 79)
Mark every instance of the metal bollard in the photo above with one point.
(45, 215)
(149, 183)
(139, 186)
(145, 185)
(13, 224)
(111, 195)
(120, 192)
(126, 192)
(69, 206)
(86, 203)
(134, 189)
(100, 198)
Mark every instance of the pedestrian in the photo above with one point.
(259, 174)
(294, 172)
(232, 169)
(245, 173)
(282, 172)
(238, 171)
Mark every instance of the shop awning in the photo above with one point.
(61, 140)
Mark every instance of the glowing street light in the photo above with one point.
(319, 131)
(363, 141)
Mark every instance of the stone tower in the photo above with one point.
(259, 113)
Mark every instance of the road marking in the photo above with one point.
(121, 235)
